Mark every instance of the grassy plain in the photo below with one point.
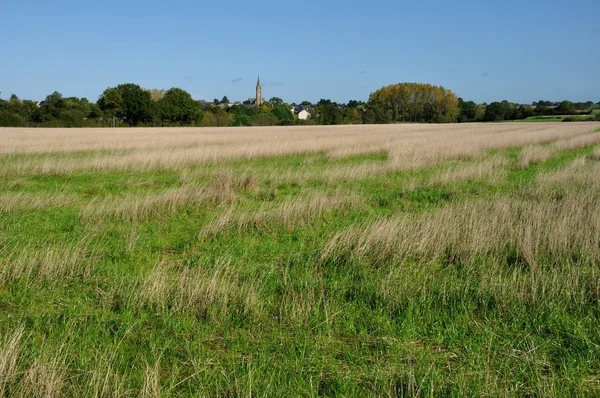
(398, 260)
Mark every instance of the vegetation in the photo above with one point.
(132, 105)
(397, 260)
(417, 103)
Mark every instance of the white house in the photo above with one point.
(303, 115)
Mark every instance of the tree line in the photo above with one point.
(131, 105)
(504, 110)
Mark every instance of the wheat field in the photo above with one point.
(393, 260)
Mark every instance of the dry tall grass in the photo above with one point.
(545, 230)
(289, 213)
(17, 201)
(46, 377)
(9, 360)
(33, 263)
(488, 169)
(533, 154)
(199, 290)
(409, 146)
(134, 207)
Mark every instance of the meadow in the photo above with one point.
(393, 260)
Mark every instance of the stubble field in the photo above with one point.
(396, 260)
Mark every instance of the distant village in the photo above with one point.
(129, 104)
(302, 112)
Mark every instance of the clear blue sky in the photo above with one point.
(521, 51)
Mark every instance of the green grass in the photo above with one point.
(278, 321)
(541, 119)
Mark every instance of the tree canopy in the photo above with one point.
(417, 102)
(129, 102)
(177, 107)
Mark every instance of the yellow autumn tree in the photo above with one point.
(417, 102)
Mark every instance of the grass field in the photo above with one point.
(397, 260)
(553, 119)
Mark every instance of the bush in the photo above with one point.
(241, 120)
(581, 119)
(10, 119)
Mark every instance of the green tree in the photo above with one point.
(353, 115)
(137, 104)
(222, 118)
(13, 113)
(495, 112)
(283, 113)
(178, 107)
(328, 113)
(224, 100)
(111, 103)
(376, 114)
(469, 111)
(565, 108)
(54, 104)
(276, 101)
(525, 111)
(355, 104)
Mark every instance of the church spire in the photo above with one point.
(259, 100)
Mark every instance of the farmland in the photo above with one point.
(393, 260)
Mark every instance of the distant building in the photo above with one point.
(303, 115)
(258, 100)
(302, 112)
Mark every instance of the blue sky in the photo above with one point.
(521, 51)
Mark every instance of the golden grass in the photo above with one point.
(289, 213)
(139, 206)
(9, 359)
(409, 146)
(47, 263)
(46, 377)
(488, 169)
(544, 237)
(538, 231)
(151, 388)
(18, 201)
(198, 290)
(533, 154)
(577, 141)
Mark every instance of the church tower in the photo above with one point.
(259, 99)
